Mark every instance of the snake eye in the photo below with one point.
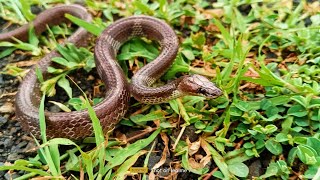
(201, 91)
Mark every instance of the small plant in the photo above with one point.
(72, 59)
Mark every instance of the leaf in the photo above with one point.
(239, 169)
(77, 103)
(314, 143)
(6, 44)
(93, 29)
(301, 100)
(292, 155)
(188, 54)
(64, 84)
(23, 168)
(198, 39)
(274, 147)
(60, 60)
(217, 158)
(307, 154)
(200, 125)
(265, 104)
(148, 117)
(7, 52)
(297, 110)
(270, 128)
(186, 165)
(99, 137)
(122, 154)
(179, 65)
(272, 170)
(26, 10)
(50, 153)
(39, 74)
(174, 105)
(123, 169)
(281, 137)
(243, 106)
(144, 8)
(33, 39)
(272, 111)
(61, 106)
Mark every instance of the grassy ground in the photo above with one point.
(265, 56)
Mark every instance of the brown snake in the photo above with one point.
(77, 124)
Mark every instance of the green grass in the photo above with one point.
(265, 59)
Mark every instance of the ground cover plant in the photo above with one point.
(264, 55)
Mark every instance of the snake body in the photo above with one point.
(77, 124)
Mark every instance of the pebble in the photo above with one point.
(14, 156)
(3, 121)
(255, 169)
(22, 144)
(8, 143)
(2, 172)
(54, 108)
(9, 176)
(1, 79)
(153, 160)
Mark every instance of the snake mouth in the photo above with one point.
(213, 93)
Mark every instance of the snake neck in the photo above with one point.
(144, 92)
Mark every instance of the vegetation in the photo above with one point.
(265, 56)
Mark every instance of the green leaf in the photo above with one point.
(77, 103)
(301, 100)
(270, 128)
(243, 106)
(272, 111)
(33, 39)
(61, 106)
(292, 155)
(39, 74)
(200, 125)
(148, 117)
(7, 52)
(188, 54)
(64, 84)
(122, 154)
(297, 110)
(99, 137)
(178, 66)
(239, 169)
(281, 137)
(307, 154)
(26, 10)
(198, 39)
(124, 168)
(274, 147)
(219, 160)
(174, 105)
(265, 104)
(144, 8)
(95, 30)
(24, 168)
(272, 170)
(6, 44)
(314, 143)
(60, 60)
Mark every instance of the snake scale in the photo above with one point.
(77, 124)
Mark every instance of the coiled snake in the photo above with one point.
(77, 124)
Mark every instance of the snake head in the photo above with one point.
(199, 86)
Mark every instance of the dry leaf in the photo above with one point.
(7, 108)
(165, 151)
(193, 147)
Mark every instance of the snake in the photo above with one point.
(77, 124)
